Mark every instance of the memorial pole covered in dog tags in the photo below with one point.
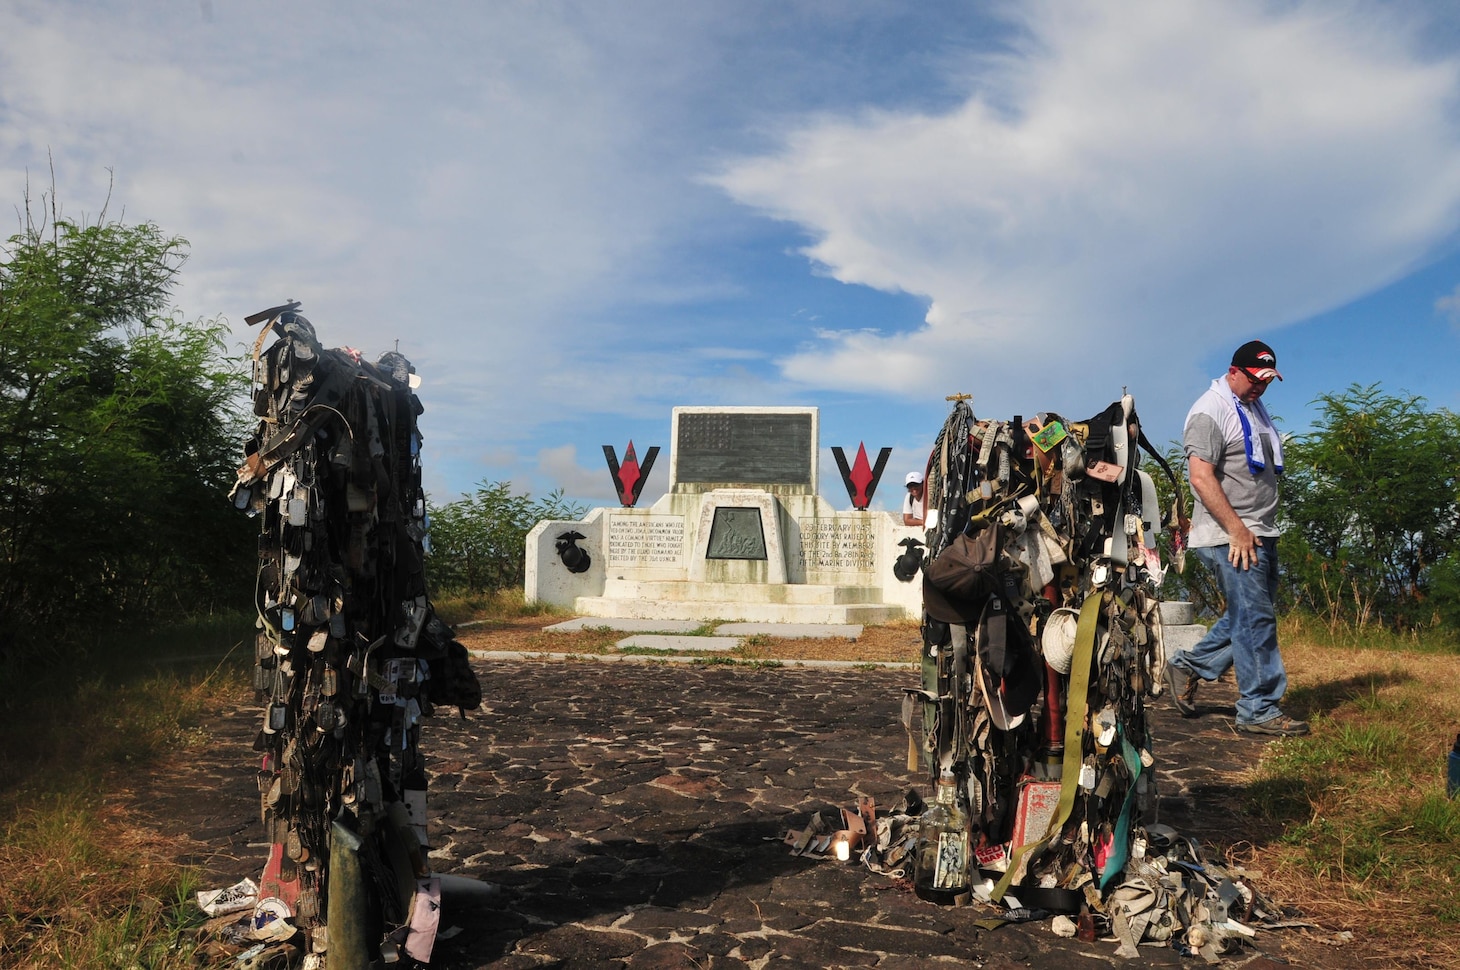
(350, 655)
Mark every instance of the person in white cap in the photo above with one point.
(913, 510)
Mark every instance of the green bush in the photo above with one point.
(119, 425)
(478, 542)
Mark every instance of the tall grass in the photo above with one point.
(459, 606)
(1338, 631)
(1368, 838)
(80, 887)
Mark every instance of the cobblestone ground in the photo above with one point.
(631, 814)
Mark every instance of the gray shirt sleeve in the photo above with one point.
(1203, 439)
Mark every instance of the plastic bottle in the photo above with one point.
(942, 872)
(1452, 786)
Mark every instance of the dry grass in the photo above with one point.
(1369, 841)
(80, 887)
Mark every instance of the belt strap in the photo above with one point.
(1076, 705)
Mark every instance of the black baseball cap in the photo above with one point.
(1258, 360)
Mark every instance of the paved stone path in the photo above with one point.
(631, 814)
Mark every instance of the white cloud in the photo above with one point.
(1134, 180)
(1449, 306)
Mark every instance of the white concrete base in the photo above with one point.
(1177, 613)
(703, 611)
(1182, 637)
(744, 602)
(650, 641)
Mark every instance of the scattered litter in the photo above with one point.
(239, 896)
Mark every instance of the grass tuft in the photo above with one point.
(80, 887)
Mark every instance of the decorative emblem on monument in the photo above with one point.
(861, 478)
(629, 477)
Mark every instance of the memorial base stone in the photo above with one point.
(741, 535)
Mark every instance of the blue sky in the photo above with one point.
(575, 216)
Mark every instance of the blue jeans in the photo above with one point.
(1245, 636)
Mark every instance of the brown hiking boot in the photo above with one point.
(1183, 684)
(1281, 726)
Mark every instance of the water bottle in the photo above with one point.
(941, 873)
(1452, 785)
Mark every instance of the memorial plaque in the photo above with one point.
(736, 534)
(744, 447)
(646, 540)
(844, 545)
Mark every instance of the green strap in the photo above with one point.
(1076, 708)
(1120, 839)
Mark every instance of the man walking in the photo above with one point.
(1234, 457)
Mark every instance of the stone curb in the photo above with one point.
(672, 658)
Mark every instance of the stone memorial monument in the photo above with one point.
(742, 534)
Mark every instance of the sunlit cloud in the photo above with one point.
(1132, 181)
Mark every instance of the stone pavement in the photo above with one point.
(632, 812)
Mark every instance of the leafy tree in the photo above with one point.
(1372, 511)
(118, 433)
(478, 542)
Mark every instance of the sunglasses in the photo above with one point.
(1263, 381)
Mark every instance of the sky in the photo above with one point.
(574, 216)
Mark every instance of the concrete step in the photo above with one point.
(867, 614)
(793, 594)
(654, 641)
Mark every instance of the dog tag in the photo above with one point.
(294, 847)
(286, 620)
(307, 906)
(329, 682)
(317, 641)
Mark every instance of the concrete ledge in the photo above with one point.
(1177, 613)
(651, 641)
(822, 631)
(624, 624)
(629, 658)
(1184, 637)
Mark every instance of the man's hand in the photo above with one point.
(1242, 547)
(1241, 543)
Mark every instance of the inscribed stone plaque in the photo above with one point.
(736, 534)
(645, 540)
(839, 544)
(755, 448)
